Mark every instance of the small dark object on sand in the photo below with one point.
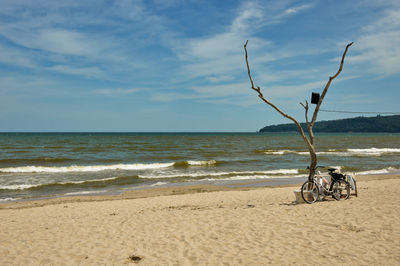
(135, 258)
(250, 206)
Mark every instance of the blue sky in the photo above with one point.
(178, 65)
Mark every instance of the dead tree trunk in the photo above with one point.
(310, 141)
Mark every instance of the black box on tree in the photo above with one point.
(314, 98)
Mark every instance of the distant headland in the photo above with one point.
(377, 124)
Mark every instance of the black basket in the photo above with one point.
(336, 176)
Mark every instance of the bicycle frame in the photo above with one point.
(318, 180)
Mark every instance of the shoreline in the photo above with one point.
(178, 189)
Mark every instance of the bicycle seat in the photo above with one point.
(332, 169)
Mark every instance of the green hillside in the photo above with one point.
(389, 124)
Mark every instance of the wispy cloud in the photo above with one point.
(89, 72)
(296, 9)
(217, 56)
(118, 91)
(12, 56)
(66, 37)
(377, 45)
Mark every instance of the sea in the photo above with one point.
(43, 165)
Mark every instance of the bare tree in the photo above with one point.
(310, 141)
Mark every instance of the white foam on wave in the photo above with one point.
(282, 152)
(9, 199)
(200, 163)
(346, 152)
(27, 186)
(203, 174)
(249, 177)
(159, 184)
(279, 152)
(379, 171)
(88, 181)
(84, 192)
(19, 186)
(374, 151)
(80, 168)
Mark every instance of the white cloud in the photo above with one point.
(119, 91)
(220, 78)
(62, 41)
(250, 16)
(12, 56)
(378, 45)
(90, 72)
(296, 9)
(221, 54)
(221, 92)
(66, 34)
(172, 96)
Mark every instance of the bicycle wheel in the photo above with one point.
(341, 190)
(309, 192)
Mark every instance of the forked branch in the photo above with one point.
(314, 118)
(261, 96)
(306, 110)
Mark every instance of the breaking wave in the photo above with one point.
(129, 180)
(77, 193)
(82, 168)
(195, 163)
(97, 168)
(340, 152)
(278, 172)
(249, 177)
(380, 171)
(8, 199)
(125, 180)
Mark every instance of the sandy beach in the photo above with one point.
(180, 226)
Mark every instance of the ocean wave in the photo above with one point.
(379, 171)
(82, 168)
(8, 199)
(125, 180)
(374, 151)
(159, 184)
(277, 172)
(249, 177)
(282, 152)
(19, 186)
(98, 168)
(340, 152)
(36, 160)
(84, 193)
(200, 163)
(195, 163)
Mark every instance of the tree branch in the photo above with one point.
(314, 118)
(306, 110)
(261, 96)
(309, 127)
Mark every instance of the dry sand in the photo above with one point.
(252, 227)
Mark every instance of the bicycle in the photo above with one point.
(338, 187)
